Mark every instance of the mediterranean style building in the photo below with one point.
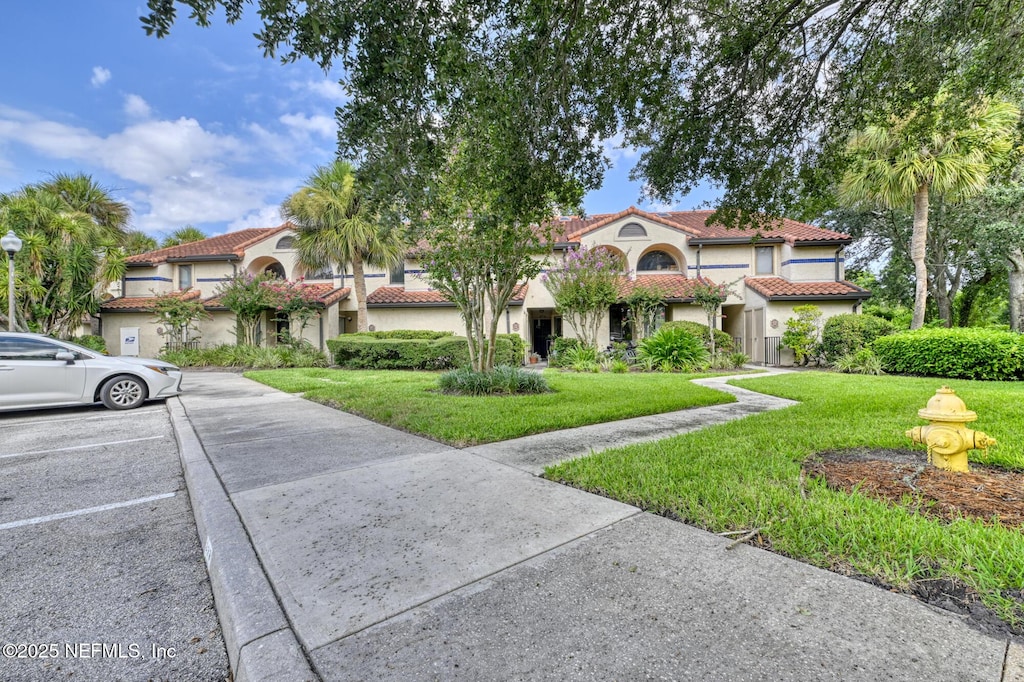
(768, 274)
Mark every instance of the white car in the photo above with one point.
(37, 371)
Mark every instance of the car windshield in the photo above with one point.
(89, 352)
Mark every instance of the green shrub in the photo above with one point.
(247, 356)
(960, 353)
(426, 334)
(618, 367)
(675, 348)
(863, 361)
(518, 353)
(505, 379)
(723, 342)
(847, 334)
(738, 359)
(559, 349)
(803, 334)
(92, 342)
(358, 351)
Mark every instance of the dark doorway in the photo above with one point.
(283, 330)
(541, 332)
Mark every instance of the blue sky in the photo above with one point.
(197, 128)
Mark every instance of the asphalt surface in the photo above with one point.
(101, 570)
(344, 550)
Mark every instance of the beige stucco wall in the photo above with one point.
(446, 319)
(809, 263)
(150, 343)
(149, 281)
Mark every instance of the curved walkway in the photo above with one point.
(340, 549)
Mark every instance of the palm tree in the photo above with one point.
(897, 164)
(72, 232)
(332, 227)
(136, 242)
(183, 235)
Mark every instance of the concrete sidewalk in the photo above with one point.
(340, 549)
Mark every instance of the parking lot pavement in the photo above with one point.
(101, 570)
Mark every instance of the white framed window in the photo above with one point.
(764, 260)
(398, 275)
(184, 277)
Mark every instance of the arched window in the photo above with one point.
(657, 260)
(284, 243)
(632, 230)
(275, 269)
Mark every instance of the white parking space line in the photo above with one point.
(82, 512)
(12, 418)
(81, 447)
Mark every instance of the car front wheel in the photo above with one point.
(123, 393)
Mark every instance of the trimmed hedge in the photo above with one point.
(960, 353)
(848, 333)
(91, 341)
(427, 334)
(358, 351)
(723, 342)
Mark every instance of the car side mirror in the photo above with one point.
(66, 355)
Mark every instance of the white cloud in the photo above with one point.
(661, 207)
(99, 76)
(325, 88)
(615, 149)
(320, 125)
(265, 216)
(136, 107)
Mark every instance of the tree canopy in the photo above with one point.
(756, 96)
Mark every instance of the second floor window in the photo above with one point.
(764, 260)
(184, 277)
(398, 275)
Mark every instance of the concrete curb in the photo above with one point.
(260, 642)
(1013, 666)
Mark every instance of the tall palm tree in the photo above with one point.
(333, 227)
(183, 235)
(72, 232)
(897, 164)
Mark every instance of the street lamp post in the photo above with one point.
(12, 245)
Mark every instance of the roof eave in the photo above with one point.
(705, 241)
(822, 242)
(215, 257)
(856, 295)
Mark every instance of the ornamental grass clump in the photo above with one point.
(674, 349)
(504, 380)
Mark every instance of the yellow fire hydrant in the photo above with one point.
(947, 436)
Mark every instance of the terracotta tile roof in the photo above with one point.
(327, 295)
(776, 288)
(398, 296)
(692, 223)
(674, 287)
(231, 246)
(141, 303)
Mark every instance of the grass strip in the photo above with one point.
(746, 474)
(410, 401)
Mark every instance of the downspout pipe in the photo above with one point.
(700, 247)
(839, 252)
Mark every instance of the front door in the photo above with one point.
(753, 336)
(541, 332)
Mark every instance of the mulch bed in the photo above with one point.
(904, 478)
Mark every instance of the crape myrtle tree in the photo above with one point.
(583, 283)
(710, 297)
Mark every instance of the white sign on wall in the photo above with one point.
(130, 341)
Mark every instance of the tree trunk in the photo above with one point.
(917, 254)
(1016, 278)
(362, 324)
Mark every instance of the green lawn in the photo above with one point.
(408, 401)
(746, 474)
